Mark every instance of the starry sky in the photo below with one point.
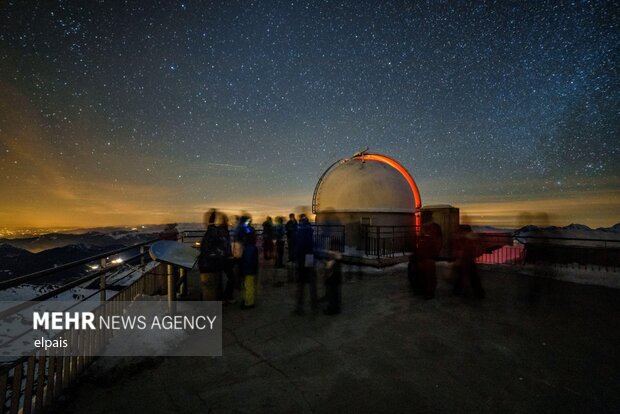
(132, 112)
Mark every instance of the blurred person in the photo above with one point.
(333, 283)
(239, 234)
(422, 270)
(304, 246)
(279, 233)
(465, 272)
(249, 269)
(228, 268)
(268, 238)
(291, 235)
(169, 232)
(211, 259)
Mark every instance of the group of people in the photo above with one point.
(274, 235)
(422, 268)
(227, 262)
(224, 260)
(219, 257)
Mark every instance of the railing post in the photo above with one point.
(378, 241)
(184, 285)
(172, 294)
(102, 282)
(142, 261)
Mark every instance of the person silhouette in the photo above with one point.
(304, 256)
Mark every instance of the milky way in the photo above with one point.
(115, 112)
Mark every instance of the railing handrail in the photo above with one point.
(46, 272)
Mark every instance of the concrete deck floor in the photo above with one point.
(388, 352)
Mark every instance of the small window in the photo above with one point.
(366, 221)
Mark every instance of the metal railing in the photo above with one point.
(192, 237)
(29, 383)
(565, 252)
(388, 241)
(325, 236)
(505, 248)
(329, 237)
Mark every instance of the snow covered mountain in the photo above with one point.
(572, 231)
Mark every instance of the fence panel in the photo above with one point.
(389, 241)
(36, 380)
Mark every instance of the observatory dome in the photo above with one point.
(368, 183)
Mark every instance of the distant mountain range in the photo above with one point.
(91, 238)
(575, 230)
(570, 231)
(28, 255)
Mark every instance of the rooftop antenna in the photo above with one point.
(361, 154)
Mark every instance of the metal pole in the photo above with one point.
(172, 294)
(183, 278)
(141, 256)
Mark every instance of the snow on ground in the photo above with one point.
(353, 251)
(85, 299)
(148, 344)
(145, 342)
(127, 277)
(123, 277)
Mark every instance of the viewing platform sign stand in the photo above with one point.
(174, 254)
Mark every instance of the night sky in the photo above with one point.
(146, 112)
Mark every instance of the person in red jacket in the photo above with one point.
(422, 272)
(466, 247)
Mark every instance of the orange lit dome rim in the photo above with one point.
(402, 170)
